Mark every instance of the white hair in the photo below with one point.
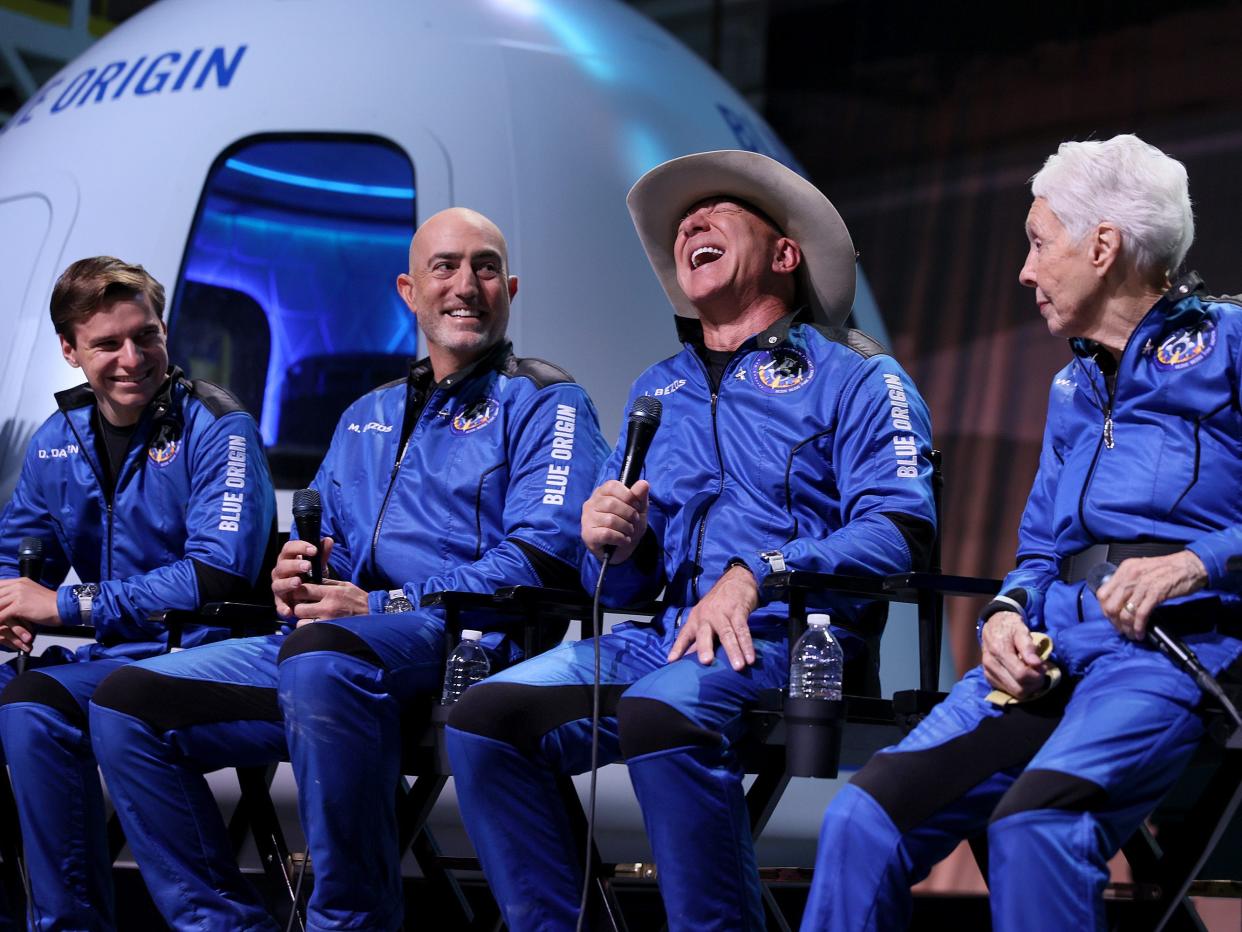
(1128, 183)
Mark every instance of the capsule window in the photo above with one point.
(286, 294)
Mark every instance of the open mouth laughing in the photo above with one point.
(703, 255)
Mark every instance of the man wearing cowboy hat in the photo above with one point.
(787, 442)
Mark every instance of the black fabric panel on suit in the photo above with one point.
(1050, 789)
(324, 635)
(521, 715)
(170, 702)
(913, 785)
(649, 725)
(37, 687)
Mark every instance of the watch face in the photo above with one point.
(87, 590)
(398, 605)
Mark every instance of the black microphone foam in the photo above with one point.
(30, 558)
(307, 516)
(644, 419)
(29, 566)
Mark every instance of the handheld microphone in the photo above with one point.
(307, 516)
(30, 558)
(29, 566)
(644, 419)
(1172, 647)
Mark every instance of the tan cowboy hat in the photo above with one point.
(659, 199)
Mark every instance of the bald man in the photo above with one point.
(469, 474)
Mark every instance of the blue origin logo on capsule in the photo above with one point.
(164, 73)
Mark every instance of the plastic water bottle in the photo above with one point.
(466, 666)
(815, 672)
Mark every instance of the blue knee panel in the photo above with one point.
(155, 777)
(860, 881)
(690, 770)
(517, 821)
(174, 828)
(59, 798)
(342, 717)
(1047, 870)
(508, 799)
(694, 811)
(1126, 736)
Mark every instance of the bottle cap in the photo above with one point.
(818, 620)
(471, 635)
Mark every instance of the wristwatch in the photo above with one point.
(85, 594)
(774, 559)
(397, 603)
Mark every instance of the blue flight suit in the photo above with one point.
(187, 521)
(1060, 782)
(814, 444)
(487, 492)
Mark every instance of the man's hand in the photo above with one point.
(334, 598)
(723, 614)
(287, 586)
(1142, 583)
(616, 516)
(23, 604)
(1010, 661)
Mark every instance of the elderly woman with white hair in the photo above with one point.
(1074, 726)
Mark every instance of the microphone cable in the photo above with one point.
(297, 893)
(644, 420)
(597, 619)
(1172, 647)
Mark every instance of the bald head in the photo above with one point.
(459, 287)
(455, 222)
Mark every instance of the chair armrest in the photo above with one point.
(943, 583)
(799, 580)
(896, 587)
(239, 617)
(457, 599)
(86, 632)
(568, 603)
(534, 604)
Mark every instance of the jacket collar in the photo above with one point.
(690, 330)
(159, 408)
(492, 359)
(1179, 307)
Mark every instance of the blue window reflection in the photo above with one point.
(287, 293)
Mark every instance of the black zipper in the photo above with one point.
(698, 547)
(108, 497)
(1106, 435)
(392, 476)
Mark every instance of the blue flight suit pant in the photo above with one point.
(1058, 784)
(43, 727)
(674, 724)
(328, 697)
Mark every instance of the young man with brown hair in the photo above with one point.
(155, 491)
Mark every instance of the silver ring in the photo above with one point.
(1130, 607)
